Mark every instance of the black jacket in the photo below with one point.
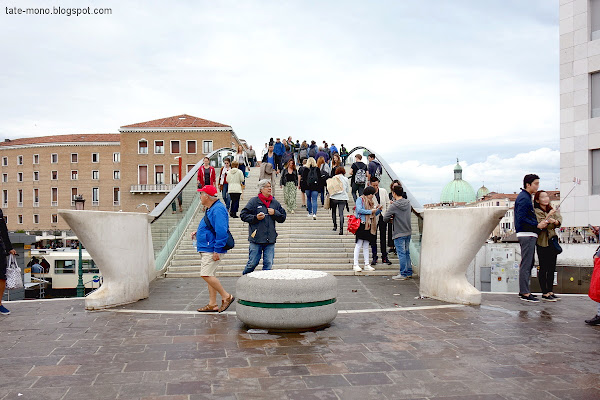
(5, 244)
(318, 186)
(265, 229)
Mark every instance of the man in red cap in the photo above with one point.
(211, 238)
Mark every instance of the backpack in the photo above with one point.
(313, 176)
(361, 176)
(303, 153)
(378, 171)
(312, 152)
(230, 244)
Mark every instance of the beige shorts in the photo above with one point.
(208, 266)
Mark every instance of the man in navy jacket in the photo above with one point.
(527, 229)
(279, 151)
(261, 213)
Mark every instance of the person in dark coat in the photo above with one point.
(261, 213)
(6, 248)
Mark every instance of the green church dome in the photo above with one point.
(482, 191)
(458, 191)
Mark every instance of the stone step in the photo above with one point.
(239, 273)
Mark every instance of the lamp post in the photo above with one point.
(79, 205)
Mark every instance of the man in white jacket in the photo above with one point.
(381, 197)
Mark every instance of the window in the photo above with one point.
(95, 157)
(595, 94)
(4, 178)
(191, 147)
(74, 175)
(175, 147)
(54, 219)
(36, 197)
(74, 157)
(20, 218)
(189, 167)
(174, 174)
(73, 195)
(89, 267)
(19, 177)
(54, 175)
(20, 198)
(4, 198)
(143, 146)
(54, 158)
(4, 161)
(36, 218)
(159, 147)
(65, 266)
(19, 160)
(36, 158)
(596, 171)
(116, 157)
(116, 196)
(207, 146)
(54, 194)
(159, 175)
(142, 174)
(95, 196)
(116, 174)
(36, 175)
(95, 175)
(595, 18)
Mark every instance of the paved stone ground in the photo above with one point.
(504, 349)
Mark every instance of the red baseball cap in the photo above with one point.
(209, 190)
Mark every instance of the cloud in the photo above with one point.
(502, 175)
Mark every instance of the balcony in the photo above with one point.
(36, 203)
(20, 204)
(162, 188)
(54, 204)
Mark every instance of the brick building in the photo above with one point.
(112, 172)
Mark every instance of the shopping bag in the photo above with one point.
(14, 278)
(594, 292)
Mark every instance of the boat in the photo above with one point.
(62, 269)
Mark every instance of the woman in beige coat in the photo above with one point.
(545, 250)
(235, 179)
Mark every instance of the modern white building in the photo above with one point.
(580, 110)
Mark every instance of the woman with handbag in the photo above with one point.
(5, 249)
(242, 158)
(289, 182)
(366, 233)
(235, 179)
(547, 243)
(339, 199)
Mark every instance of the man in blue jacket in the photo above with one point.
(210, 241)
(279, 151)
(261, 213)
(527, 229)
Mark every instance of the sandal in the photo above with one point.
(226, 303)
(208, 308)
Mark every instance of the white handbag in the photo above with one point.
(14, 278)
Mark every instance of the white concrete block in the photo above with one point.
(593, 48)
(581, 218)
(580, 127)
(594, 203)
(565, 26)
(561, 2)
(580, 36)
(581, 113)
(567, 130)
(580, 158)
(581, 143)
(593, 60)
(581, 82)
(580, 97)
(566, 85)
(580, 7)
(566, 100)
(569, 204)
(594, 141)
(579, 67)
(594, 218)
(567, 115)
(566, 55)
(594, 125)
(566, 175)
(580, 52)
(580, 21)
(567, 145)
(565, 11)
(567, 40)
(567, 160)
(581, 202)
(582, 172)
(566, 70)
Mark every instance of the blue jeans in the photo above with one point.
(256, 250)
(225, 193)
(402, 248)
(311, 201)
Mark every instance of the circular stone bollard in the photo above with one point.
(286, 299)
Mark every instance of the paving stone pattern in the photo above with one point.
(504, 349)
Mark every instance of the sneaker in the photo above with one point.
(309, 215)
(314, 216)
(374, 262)
(369, 268)
(4, 310)
(530, 298)
(399, 277)
(548, 298)
(593, 321)
(293, 212)
(386, 261)
(555, 296)
(357, 268)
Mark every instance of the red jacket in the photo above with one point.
(201, 176)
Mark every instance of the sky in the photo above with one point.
(420, 83)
